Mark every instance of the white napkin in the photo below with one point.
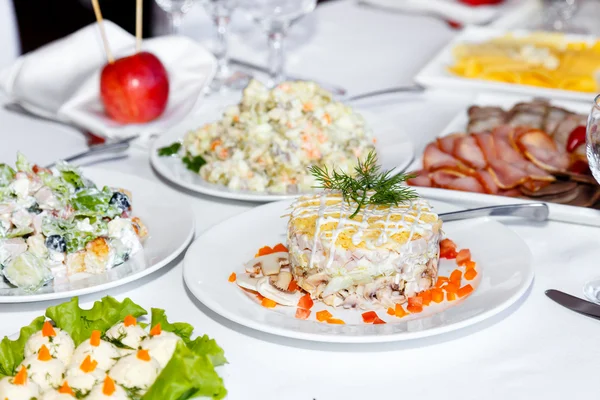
(62, 80)
(449, 9)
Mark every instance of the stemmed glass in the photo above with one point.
(592, 288)
(176, 10)
(275, 17)
(557, 16)
(220, 12)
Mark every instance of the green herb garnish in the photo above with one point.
(169, 150)
(193, 163)
(370, 185)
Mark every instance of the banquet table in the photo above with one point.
(534, 349)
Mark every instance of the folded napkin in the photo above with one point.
(452, 10)
(62, 79)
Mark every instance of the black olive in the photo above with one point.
(121, 201)
(35, 209)
(56, 243)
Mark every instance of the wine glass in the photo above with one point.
(220, 12)
(275, 17)
(558, 14)
(592, 288)
(175, 9)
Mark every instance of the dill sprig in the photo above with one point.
(370, 185)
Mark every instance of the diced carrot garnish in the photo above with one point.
(440, 281)
(268, 303)
(95, 338)
(293, 286)
(130, 321)
(48, 329)
(302, 313)
(378, 321)
(465, 291)
(143, 355)
(263, 251)
(470, 274)
(437, 295)
(391, 311)
(214, 144)
(66, 389)
(280, 248)
(456, 276)
(21, 377)
(426, 296)
(327, 118)
(414, 308)
(399, 311)
(451, 287)
(463, 257)
(415, 301)
(369, 317)
(306, 302)
(450, 296)
(156, 330)
(308, 106)
(470, 264)
(108, 388)
(44, 354)
(323, 315)
(335, 321)
(88, 365)
(232, 277)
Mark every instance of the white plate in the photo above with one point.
(504, 263)
(170, 223)
(558, 212)
(394, 148)
(435, 73)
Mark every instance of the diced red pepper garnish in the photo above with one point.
(378, 321)
(470, 274)
(263, 251)
(323, 315)
(268, 303)
(576, 138)
(470, 265)
(280, 248)
(302, 313)
(465, 291)
(456, 276)
(293, 286)
(391, 311)
(437, 295)
(399, 311)
(306, 302)
(369, 316)
(463, 257)
(451, 287)
(441, 280)
(425, 297)
(450, 296)
(415, 301)
(232, 277)
(447, 249)
(414, 308)
(335, 321)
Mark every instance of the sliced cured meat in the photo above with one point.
(564, 128)
(503, 132)
(442, 178)
(485, 119)
(510, 193)
(506, 152)
(434, 158)
(554, 117)
(421, 179)
(506, 175)
(549, 189)
(485, 141)
(467, 151)
(446, 143)
(466, 184)
(487, 182)
(587, 196)
(539, 147)
(534, 171)
(531, 187)
(531, 114)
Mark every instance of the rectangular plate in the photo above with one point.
(558, 212)
(435, 73)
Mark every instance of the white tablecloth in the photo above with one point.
(535, 349)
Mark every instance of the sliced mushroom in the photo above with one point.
(270, 264)
(246, 282)
(269, 291)
(282, 281)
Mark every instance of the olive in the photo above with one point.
(121, 201)
(56, 243)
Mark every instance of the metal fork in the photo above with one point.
(532, 211)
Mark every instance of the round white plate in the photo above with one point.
(395, 151)
(170, 221)
(503, 262)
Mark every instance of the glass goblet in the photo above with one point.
(175, 9)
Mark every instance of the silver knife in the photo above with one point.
(573, 303)
(533, 211)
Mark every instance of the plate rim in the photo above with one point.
(31, 298)
(214, 305)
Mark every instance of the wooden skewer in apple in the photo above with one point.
(133, 89)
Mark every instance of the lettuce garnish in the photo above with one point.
(80, 323)
(12, 352)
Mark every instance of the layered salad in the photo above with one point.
(267, 141)
(55, 223)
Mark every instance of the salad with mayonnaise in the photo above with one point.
(106, 353)
(267, 142)
(55, 223)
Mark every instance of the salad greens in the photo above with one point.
(7, 174)
(170, 150)
(194, 163)
(12, 351)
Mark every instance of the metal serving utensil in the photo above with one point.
(573, 303)
(114, 147)
(533, 211)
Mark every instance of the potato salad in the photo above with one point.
(55, 223)
(267, 142)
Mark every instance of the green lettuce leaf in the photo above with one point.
(80, 323)
(194, 163)
(22, 163)
(202, 345)
(187, 375)
(7, 174)
(71, 174)
(170, 150)
(12, 351)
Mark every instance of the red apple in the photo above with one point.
(134, 89)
